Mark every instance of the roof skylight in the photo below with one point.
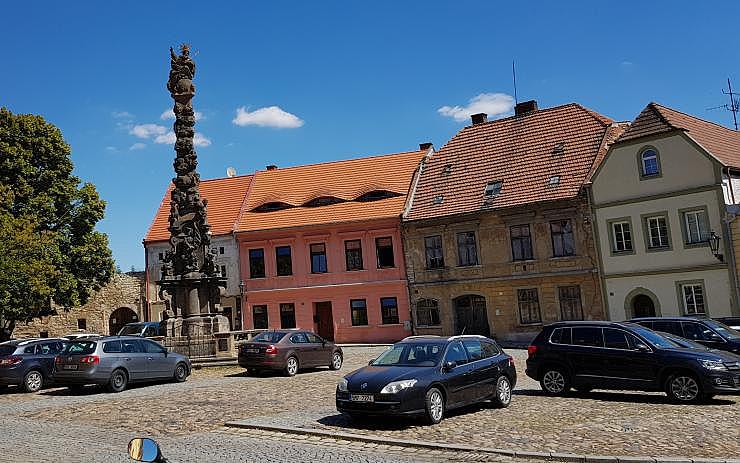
(554, 180)
(438, 199)
(493, 189)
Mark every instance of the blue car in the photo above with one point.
(28, 363)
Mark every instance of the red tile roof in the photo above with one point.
(346, 180)
(524, 152)
(717, 140)
(225, 197)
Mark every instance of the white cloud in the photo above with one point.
(147, 130)
(170, 114)
(200, 140)
(493, 104)
(111, 148)
(169, 138)
(271, 116)
(137, 146)
(122, 115)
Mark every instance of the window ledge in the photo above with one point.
(470, 266)
(701, 244)
(622, 253)
(563, 257)
(662, 249)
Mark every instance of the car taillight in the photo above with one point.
(531, 350)
(271, 349)
(511, 361)
(90, 360)
(58, 359)
(10, 361)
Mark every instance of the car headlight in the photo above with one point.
(398, 386)
(342, 385)
(714, 365)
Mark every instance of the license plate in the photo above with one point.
(255, 351)
(69, 367)
(362, 398)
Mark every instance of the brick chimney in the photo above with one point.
(479, 118)
(272, 167)
(525, 107)
(425, 146)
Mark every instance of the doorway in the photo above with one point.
(471, 316)
(324, 320)
(119, 318)
(643, 306)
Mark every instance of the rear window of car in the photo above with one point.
(80, 348)
(112, 347)
(587, 336)
(268, 336)
(561, 336)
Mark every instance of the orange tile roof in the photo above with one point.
(225, 197)
(521, 151)
(346, 180)
(717, 140)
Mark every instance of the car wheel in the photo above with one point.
(181, 372)
(435, 404)
(502, 394)
(118, 381)
(33, 381)
(555, 382)
(336, 361)
(683, 388)
(291, 366)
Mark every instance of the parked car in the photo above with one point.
(117, 361)
(706, 331)
(289, 351)
(614, 355)
(427, 376)
(142, 329)
(28, 363)
(732, 322)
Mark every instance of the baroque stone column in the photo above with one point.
(191, 284)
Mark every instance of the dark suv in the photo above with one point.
(711, 333)
(612, 355)
(28, 363)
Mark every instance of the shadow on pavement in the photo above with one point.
(273, 373)
(629, 397)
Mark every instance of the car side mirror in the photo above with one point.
(146, 450)
(448, 366)
(642, 348)
(714, 337)
(371, 361)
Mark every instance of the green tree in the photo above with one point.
(49, 248)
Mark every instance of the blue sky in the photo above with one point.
(345, 78)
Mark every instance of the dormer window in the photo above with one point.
(438, 199)
(493, 189)
(323, 201)
(649, 163)
(271, 207)
(376, 195)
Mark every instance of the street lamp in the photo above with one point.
(241, 287)
(714, 245)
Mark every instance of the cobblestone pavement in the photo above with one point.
(98, 425)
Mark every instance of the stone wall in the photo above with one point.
(124, 290)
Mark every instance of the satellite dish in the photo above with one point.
(230, 172)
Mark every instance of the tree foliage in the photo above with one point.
(49, 248)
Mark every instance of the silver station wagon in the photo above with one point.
(116, 361)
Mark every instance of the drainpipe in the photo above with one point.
(146, 307)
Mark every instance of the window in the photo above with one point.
(433, 251)
(150, 331)
(529, 306)
(130, 346)
(456, 353)
(667, 327)
(649, 164)
(287, 316)
(561, 336)
(587, 336)
(521, 242)
(474, 349)
(570, 303)
(427, 312)
(621, 237)
(259, 317)
(81, 323)
(493, 189)
(657, 232)
(318, 258)
(256, 263)
(389, 310)
(467, 252)
(698, 332)
(283, 261)
(112, 347)
(695, 227)
(359, 312)
(161, 256)
(313, 339)
(615, 339)
(223, 271)
(438, 199)
(353, 254)
(489, 349)
(221, 250)
(554, 180)
(561, 232)
(693, 298)
(384, 249)
(299, 338)
(153, 348)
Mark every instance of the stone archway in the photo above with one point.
(119, 318)
(641, 302)
(471, 315)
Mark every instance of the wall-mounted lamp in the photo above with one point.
(714, 246)
(241, 287)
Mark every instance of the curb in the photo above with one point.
(556, 456)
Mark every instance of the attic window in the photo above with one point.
(493, 189)
(559, 148)
(272, 206)
(323, 201)
(376, 195)
(554, 180)
(447, 170)
(438, 199)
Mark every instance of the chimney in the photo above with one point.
(272, 167)
(525, 107)
(425, 146)
(479, 118)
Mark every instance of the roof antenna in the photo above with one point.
(734, 105)
(513, 73)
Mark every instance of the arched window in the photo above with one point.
(427, 312)
(649, 163)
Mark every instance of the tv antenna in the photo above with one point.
(733, 106)
(513, 74)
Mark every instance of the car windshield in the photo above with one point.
(414, 354)
(683, 342)
(723, 330)
(268, 336)
(655, 338)
(79, 348)
(131, 329)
